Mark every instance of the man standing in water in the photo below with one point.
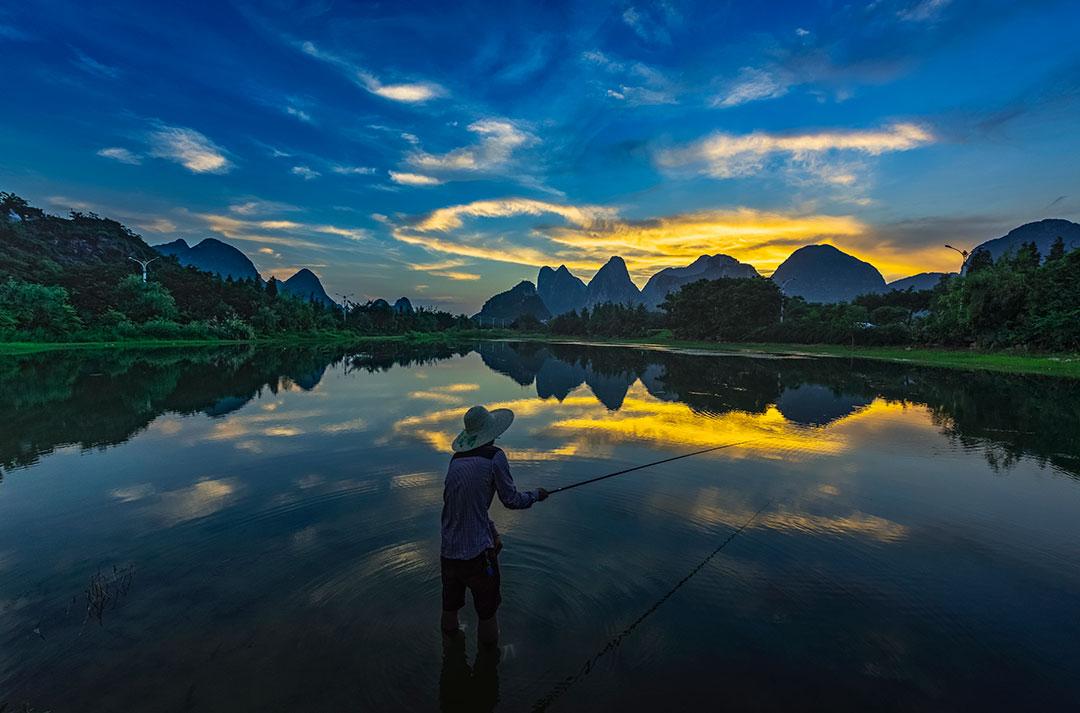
(470, 542)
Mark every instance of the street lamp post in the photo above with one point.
(963, 253)
(143, 264)
(782, 286)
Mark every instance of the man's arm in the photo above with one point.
(509, 495)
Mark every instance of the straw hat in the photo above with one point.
(482, 426)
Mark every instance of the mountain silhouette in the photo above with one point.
(821, 273)
(706, 267)
(560, 290)
(212, 255)
(305, 284)
(1043, 233)
(612, 283)
(403, 306)
(516, 302)
(922, 281)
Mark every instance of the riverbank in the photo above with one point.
(334, 338)
(1061, 365)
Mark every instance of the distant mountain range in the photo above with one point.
(1043, 233)
(817, 273)
(305, 284)
(821, 273)
(560, 291)
(706, 267)
(224, 260)
(612, 283)
(917, 283)
(212, 255)
(519, 301)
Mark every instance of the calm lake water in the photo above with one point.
(258, 529)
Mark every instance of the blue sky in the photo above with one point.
(445, 151)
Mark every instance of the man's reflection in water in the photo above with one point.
(464, 688)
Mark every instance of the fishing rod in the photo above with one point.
(647, 465)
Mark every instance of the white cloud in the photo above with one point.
(413, 179)
(753, 85)
(652, 25)
(120, 154)
(802, 31)
(261, 207)
(91, 66)
(637, 84)
(450, 218)
(407, 92)
(188, 148)
(298, 113)
(353, 170)
(499, 138)
(923, 10)
(411, 138)
(724, 155)
(305, 172)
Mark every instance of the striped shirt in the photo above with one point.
(471, 483)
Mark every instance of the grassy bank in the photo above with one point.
(1065, 365)
(347, 338)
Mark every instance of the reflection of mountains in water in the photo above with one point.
(98, 399)
(1009, 416)
(556, 376)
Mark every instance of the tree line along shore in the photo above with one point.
(67, 281)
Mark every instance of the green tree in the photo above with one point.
(143, 301)
(35, 311)
(724, 310)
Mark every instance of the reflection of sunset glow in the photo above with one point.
(199, 500)
(643, 418)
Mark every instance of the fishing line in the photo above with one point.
(647, 465)
(563, 686)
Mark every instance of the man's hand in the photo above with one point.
(542, 494)
(498, 545)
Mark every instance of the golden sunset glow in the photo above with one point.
(589, 235)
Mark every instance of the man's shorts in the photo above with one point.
(457, 575)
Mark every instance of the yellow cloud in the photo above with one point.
(453, 275)
(449, 218)
(413, 179)
(724, 155)
(277, 232)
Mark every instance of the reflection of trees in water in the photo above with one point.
(383, 356)
(1006, 416)
(98, 399)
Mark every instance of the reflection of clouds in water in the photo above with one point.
(304, 539)
(199, 500)
(167, 426)
(355, 425)
(133, 492)
(436, 396)
(713, 506)
(283, 431)
(414, 480)
(645, 418)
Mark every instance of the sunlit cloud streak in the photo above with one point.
(117, 153)
(406, 92)
(724, 155)
(279, 232)
(498, 139)
(413, 179)
(189, 148)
